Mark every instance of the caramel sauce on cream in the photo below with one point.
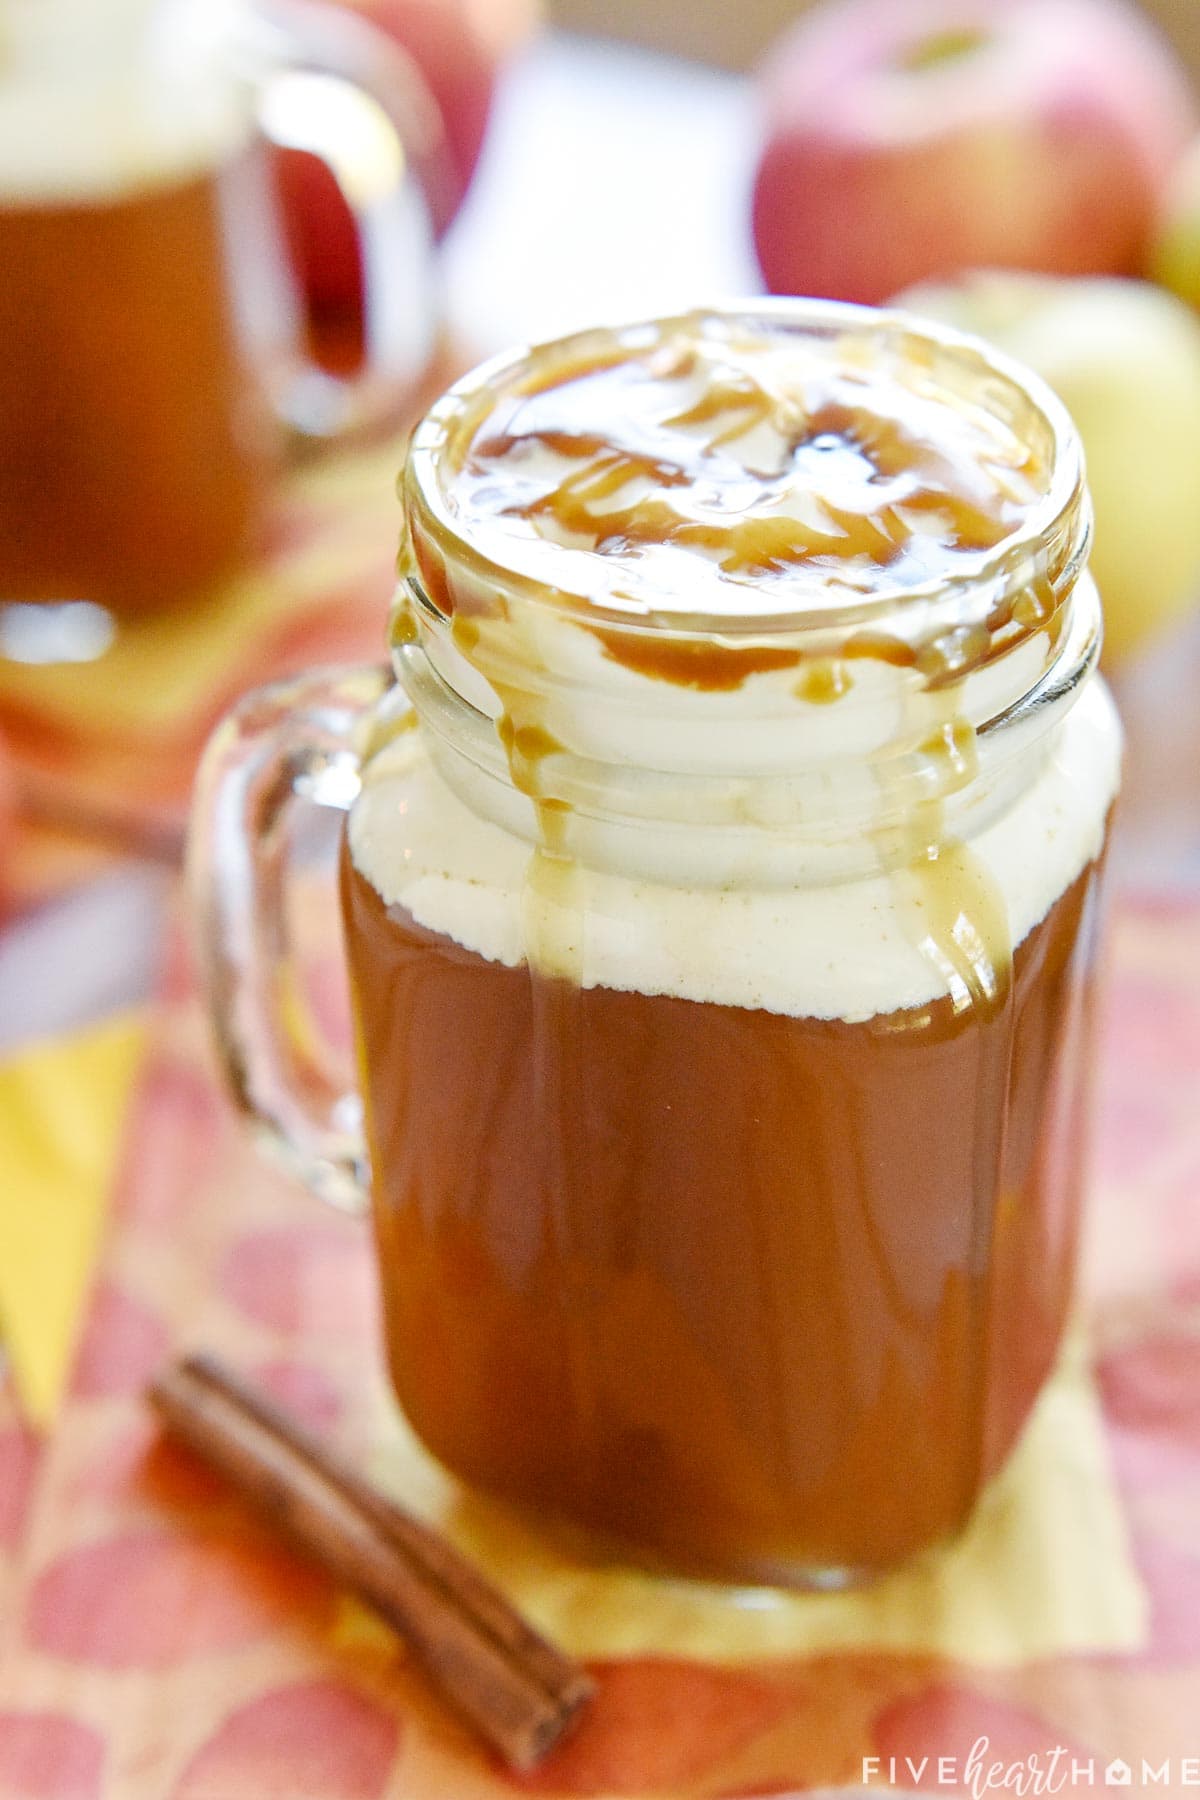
(707, 468)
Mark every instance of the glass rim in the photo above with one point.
(1053, 538)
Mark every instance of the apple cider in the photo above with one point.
(138, 308)
(136, 443)
(720, 907)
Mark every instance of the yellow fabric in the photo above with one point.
(62, 1113)
(1044, 1569)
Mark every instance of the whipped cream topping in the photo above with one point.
(101, 99)
(814, 951)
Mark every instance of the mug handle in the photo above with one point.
(286, 747)
(332, 84)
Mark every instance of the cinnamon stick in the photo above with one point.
(515, 1688)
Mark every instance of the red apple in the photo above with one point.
(459, 46)
(8, 812)
(457, 49)
(323, 245)
(912, 138)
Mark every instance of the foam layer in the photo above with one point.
(836, 951)
(101, 100)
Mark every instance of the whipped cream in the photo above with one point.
(830, 951)
(101, 99)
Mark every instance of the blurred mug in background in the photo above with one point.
(152, 359)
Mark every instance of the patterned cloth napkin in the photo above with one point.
(155, 1644)
(62, 1118)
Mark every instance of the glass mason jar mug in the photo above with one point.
(152, 339)
(719, 886)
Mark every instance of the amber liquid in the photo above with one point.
(134, 445)
(760, 1296)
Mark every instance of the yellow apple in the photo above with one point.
(1125, 359)
(1175, 253)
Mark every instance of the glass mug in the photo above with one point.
(719, 887)
(152, 339)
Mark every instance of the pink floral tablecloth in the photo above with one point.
(155, 1645)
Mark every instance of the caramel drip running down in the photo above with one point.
(553, 920)
(950, 906)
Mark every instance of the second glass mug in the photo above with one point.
(721, 989)
(153, 347)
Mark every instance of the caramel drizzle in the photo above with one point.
(657, 478)
(735, 400)
(750, 546)
(732, 405)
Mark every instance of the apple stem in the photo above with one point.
(946, 46)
